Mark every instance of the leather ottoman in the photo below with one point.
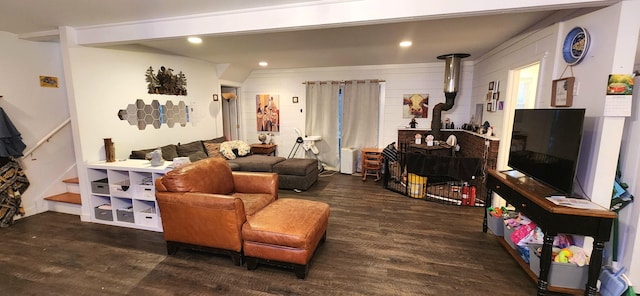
(285, 233)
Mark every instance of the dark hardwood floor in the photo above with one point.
(378, 243)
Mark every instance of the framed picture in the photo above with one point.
(491, 85)
(489, 107)
(562, 92)
(294, 100)
(48, 81)
(496, 96)
(215, 97)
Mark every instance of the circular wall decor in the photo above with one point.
(576, 45)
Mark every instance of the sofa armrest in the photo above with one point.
(211, 220)
(249, 182)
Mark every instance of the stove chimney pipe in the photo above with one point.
(451, 73)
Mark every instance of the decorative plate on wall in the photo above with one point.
(576, 45)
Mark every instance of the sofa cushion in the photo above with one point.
(169, 152)
(215, 140)
(210, 175)
(184, 150)
(213, 149)
(254, 202)
(256, 162)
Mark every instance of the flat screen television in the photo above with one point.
(545, 145)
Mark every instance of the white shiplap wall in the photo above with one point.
(400, 80)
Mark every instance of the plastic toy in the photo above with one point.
(563, 256)
(497, 212)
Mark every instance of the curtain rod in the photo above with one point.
(342, 81)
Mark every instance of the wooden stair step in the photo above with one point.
(72, 181)
(67, 197)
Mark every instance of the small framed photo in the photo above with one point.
(562, 92)
(294, 100)
(215, 97)
(496, 96)
(489, 107)
(48, 81)
(491, 85)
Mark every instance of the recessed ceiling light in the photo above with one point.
(405, 43)
(263, 64)
(195, 40)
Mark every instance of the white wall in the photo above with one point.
(105, 80)
(612, 50)
(36, 111)
(496, 66)
(400, 80)
(630, 166)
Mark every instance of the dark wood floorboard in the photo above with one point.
(378, 243)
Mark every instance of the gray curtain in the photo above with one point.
(360, 112)
(322, 120)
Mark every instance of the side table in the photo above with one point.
(266, 149)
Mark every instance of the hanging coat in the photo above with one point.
(10, 138)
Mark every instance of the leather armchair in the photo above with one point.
(203, 205)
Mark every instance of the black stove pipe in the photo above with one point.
(451, 73)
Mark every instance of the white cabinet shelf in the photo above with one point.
(122, 193)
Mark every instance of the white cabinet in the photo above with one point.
(122, 193)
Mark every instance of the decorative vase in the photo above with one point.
(109, 150)
(262, 138)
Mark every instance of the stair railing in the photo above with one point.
(45, 139)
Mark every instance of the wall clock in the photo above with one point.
(576, 45)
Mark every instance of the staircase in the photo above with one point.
(68, 202)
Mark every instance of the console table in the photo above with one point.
(529, 197)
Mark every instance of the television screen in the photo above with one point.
(545, 144)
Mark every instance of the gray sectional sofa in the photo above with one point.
(293, 173)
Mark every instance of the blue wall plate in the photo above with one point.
(576, 45)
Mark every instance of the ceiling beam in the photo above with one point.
(309, 15)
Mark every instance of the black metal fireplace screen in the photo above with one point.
(444, 179)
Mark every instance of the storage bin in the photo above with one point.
(146, 219)
(104, 214)
(496, 225)
(564, 275)
(100, 186)
(147, 192)
(417, 186)
(125, 215)
(120, 189)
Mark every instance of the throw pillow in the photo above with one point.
(197, 156)
(213, 149)
(227, 148)
(169, 152)
(190, 148)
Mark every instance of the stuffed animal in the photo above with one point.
(579, 256)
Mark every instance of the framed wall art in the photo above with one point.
(562, 92)
(48, 81)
